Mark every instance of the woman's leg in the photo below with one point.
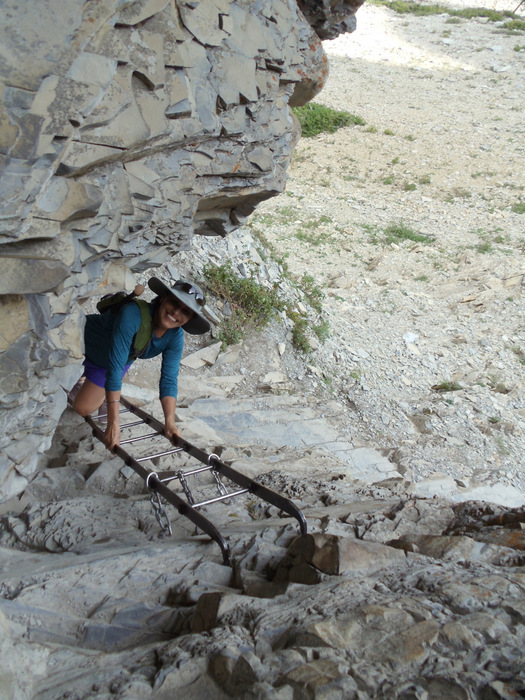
(89, 398)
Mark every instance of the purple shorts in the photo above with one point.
(97, 374)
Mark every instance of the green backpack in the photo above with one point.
(114, 302)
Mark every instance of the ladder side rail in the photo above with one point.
(155, 484)
(262, 492)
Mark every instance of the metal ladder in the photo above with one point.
(157, 482)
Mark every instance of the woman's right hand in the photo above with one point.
(112, 436)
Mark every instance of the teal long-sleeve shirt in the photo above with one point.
(109, 341)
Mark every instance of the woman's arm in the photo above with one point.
(169, 380)
(169, 405)
(112, 432)
(125, 326)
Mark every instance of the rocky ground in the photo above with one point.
(411, 581)
(443, 153)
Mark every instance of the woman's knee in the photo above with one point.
(88, 399)
(81, 407)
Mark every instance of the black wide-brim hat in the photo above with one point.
(191, 296)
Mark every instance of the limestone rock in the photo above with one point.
(125, 131)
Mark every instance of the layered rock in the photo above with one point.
(388, 596)
(127, 128)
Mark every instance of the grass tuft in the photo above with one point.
(398, 232)
(316, 119)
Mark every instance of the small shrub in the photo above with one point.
(299, 332)
(518, 208)
(312, 292)
(401, 232)
(322, 331)
(515, 25)
(251, 305)
(316, 119)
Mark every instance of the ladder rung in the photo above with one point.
(139, 437)
(220, 498)
(129, 425)
(159, 454)
(105, 415)
(199, 470)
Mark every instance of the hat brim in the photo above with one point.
(198, 324)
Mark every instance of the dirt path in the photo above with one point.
(442, 153)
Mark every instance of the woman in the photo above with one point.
(109, 345)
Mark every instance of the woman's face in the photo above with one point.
(172, 313)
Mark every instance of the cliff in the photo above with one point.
(128, 128)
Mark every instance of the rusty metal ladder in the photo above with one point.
(156, 483)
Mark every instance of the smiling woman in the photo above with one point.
(109, 341)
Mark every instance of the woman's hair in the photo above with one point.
(155, 303)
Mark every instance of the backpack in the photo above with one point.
(114, 302)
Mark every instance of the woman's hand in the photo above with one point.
(171, 431)
(112, 436)
(168, 406)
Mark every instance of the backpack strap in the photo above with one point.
(143, 335)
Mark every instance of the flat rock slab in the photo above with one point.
(272, 422)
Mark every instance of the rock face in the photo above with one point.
(127, 128)
(389, 595)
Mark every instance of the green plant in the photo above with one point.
(251, 305)
(416, 8)
(299, 332)
(322, 331)
(388, 132)
(421, 278)
(515, 25)
(519, 47)
(372, 130)
(518, 208)
(389, 180)
(444, 387)
(424, 180)
(485, 247)
(312, 292)
(409, 187)
(316, 119)
(401, 232)
(311, 238)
